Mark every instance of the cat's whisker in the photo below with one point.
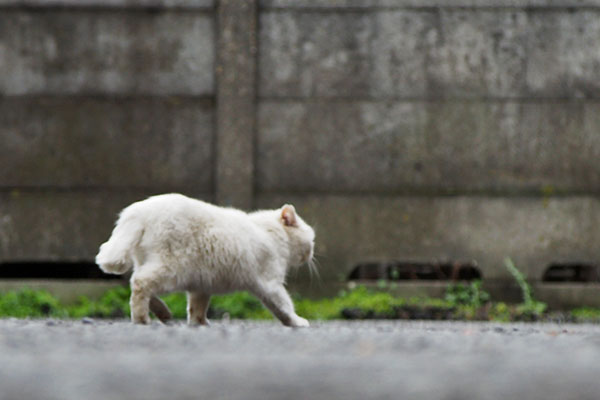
(313, 269)
(314, 265)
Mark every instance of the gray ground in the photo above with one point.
(49, 359)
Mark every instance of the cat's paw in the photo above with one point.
(198, 322)
(300, 322)
(143, 320)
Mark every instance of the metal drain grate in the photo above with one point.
(405, 271)
(53, 270)
(572, 272)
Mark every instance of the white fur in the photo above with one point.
(176, 243)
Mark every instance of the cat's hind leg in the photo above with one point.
(146, 282)
(139, 303)
(276, 298)
(197, 307)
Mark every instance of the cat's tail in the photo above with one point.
(114, 256)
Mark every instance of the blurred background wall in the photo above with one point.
(422, 139)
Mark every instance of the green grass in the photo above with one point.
(239, 305)
(115, 304)
(586, 314)
(380, 303)
(30, 303)
(461, 302)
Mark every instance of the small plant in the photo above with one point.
(500, 312)
(530, 307)
(467, 295)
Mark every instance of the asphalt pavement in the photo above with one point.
(93, 359)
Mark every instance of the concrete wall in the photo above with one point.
(102, 103)
(403, 130)
(424, 131)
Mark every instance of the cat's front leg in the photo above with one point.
(276, 298)
(197, 308)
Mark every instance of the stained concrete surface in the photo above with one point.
(54, 359)
(76, 51)
(419, 131)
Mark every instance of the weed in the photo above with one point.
(530, 308)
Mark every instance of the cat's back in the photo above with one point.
(178, 226)
(177, 209)
(168, 204)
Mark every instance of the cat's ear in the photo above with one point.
(288, 215)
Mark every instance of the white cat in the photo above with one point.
(175, 243)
